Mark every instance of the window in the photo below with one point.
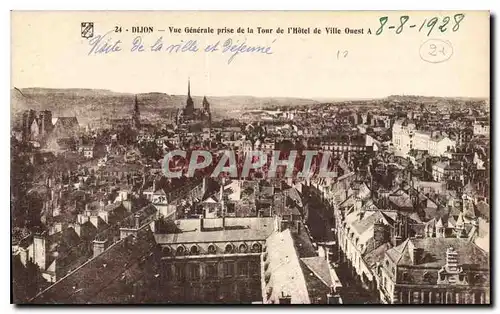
(243, 248)
(168, 272)
(256, 247)
(212, 249)
(229, 248)
(211, 271)
(194, 250)
(243, 269)
(166, 250)
(228, 269)
(194, 271)
(254, 268)
(180, 250)
(179, 272)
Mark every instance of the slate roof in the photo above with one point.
(435, 252)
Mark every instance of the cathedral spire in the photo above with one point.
(189, 87)
(136, 115)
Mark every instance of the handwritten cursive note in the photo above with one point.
(105, 45)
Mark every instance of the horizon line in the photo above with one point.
(317, 98)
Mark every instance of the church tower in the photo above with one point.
(189, 102)
(136, 116)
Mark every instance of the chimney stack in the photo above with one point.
(202, 228)
(137, 221)
(99, 246)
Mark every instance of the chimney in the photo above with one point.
(223, 222)
(202, 228)
(137, 221)
(99, 246)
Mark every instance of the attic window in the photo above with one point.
(166, 250)
(194, 250)
(243, 248)
(229, 248)
(180, 250)
(256, 247)
(212, 249)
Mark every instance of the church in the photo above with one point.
(191, 115)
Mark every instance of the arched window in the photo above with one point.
(180, 250)
(257, 247)
(194, 250)
(405, 276)
(229, 248)
(243, 248)
(166, 250)
(212, 249)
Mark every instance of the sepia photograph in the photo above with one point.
(250, 157)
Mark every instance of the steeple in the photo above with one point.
(189, 102)
(136, 115)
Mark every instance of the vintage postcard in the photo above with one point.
(250, 157)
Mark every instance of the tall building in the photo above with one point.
(212, 260)
(136, 116)
(190, 114)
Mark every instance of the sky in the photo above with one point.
(48, 51)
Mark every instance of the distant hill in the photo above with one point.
(93, 104)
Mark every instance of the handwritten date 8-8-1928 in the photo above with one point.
(428, 25)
